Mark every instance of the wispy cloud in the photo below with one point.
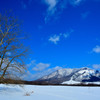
(38, 70)
(57, 68)
(37, 66)
(96, 66)
(32, 63)
(52, 8)
(41, 67)
(56, 38)
(55, 7)
(96, 49)
(65, 35)
(51, 4)
(39, 74)
(75, 2)
(25, 3)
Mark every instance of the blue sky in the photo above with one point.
(61, 33)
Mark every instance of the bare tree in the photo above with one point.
(12, 51)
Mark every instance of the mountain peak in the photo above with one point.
(79, 74)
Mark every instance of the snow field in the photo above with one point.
(9, 92)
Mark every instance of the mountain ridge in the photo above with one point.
(77, 74)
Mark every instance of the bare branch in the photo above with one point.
(12, 52)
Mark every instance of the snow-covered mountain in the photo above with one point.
(77, 75)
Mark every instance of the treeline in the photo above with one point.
(9, 81)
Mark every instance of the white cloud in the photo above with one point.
(51, 4)
(96, 66)
(52, 7)
(54, 39)
(41, 67)
(75, 2)
(43, 73)
(55, 7)
(37, 66)
(96, 49)
(66, 35)
(57, 68)
(32, 63)
(30, 76)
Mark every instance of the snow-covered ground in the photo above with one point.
(71, 81)
(9, 92)
(75, 82)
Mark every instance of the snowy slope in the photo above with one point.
(78, 75)
(71, 82)
(59, 73)
(49, 93)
